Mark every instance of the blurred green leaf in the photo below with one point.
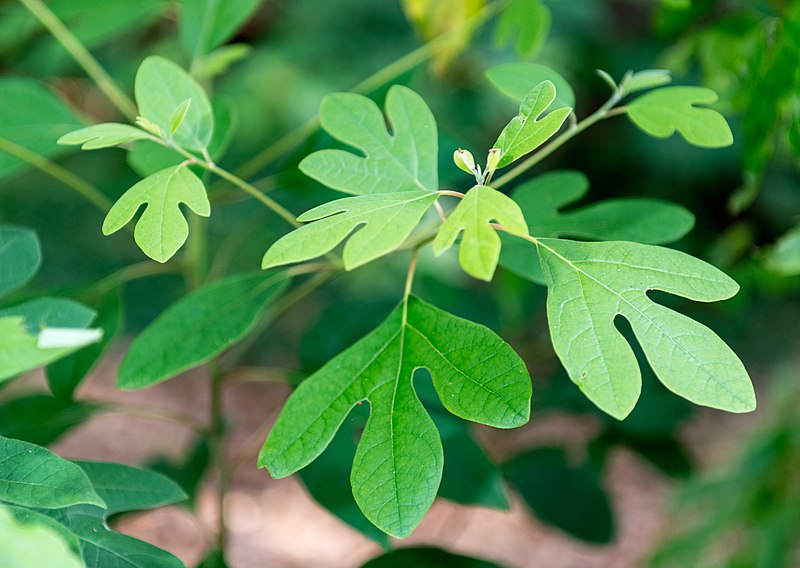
(206, 24)
(20, 257)
(516, 80)
(784, 257)
(425, 557)
(32, 545)
(220, 60)
(647, 79)
(41, 419)
(526, 23)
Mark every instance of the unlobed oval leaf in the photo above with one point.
(103, 136)
(206, 24)
(20, 257)
(198, 327)
(517, 79)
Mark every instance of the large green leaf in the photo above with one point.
(517, 79)
(526, 23)
(162, 229)
(590, 284)
(405, 160)
(662, 112)
(643, 220)
(199, 327)
(31, 117)
(398, 464)
(161, 87)
(480, 248)
(529, 129)
(206, 24)
(33, 545)
(381, 221)
(20, 257)
(35, 477)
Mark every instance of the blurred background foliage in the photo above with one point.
(268, 79)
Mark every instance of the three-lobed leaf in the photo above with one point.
(104, 135)
(162, 229)
(381, 223)
(529, 129)
(663, 112)
(479, 250)
(198, 327)
(405, 160)
(590, 284)
(398, 463)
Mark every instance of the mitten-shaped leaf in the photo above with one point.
(662, 112)
(590, 284)
(162, 229)
(527, 131)
(405, 160)
(643, 220)
(103, 136)
(382, 222)
(161, 87)
(398, 464)
(480, 247)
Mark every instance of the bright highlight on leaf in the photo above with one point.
(162, 229)
(398, 464)
(381, 223)
(590, 284)
(104, 135)
(405, 160)
(479, 250)
(662, 112)
(527, 131)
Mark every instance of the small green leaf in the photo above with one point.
(784, 257)
(177, 116)
(405, 160)
(642, 220)
(662, 112)
(33, 544)
(161, 87)
(398, 464)
(162, 229)
(527, 131)
(381, 223)
(480, 247)
(516, 80)
(20, 257)
(590, 284)
(647, 79)
(220, 60)
(103, 135)
(35, 477)
(207, 24)
(218, 315)
(527, 24)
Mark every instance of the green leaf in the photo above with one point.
(220, 60)
(177, 116)
(398, 464)
(218, 315)
(647, 79)
(662, 112)
(580, 507)
(207, 24)
(426, 557)
(527, 24)
(103, 135)
(51, 312)
(162, 229)
(35, 477)
(405, 160)
(161, 87)
(516, 80)
(31, 117)
(20, 257)
(480, 247)
(381, 222)
(41, 419)
(590, 284)
(784, 257)
(527, 131)
(33, 545)
(643, 220)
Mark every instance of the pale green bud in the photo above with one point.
(464, 160)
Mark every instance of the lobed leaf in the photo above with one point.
(590, 284)
(162, 229)
(381, 222)
(480, 248)
(398, 463)
(517, 79)
(216, 317)
(20, 257)
(103, 135)
(35, 477)
(405, 160)
(662, 112)
(527, 131)
(161, 87)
